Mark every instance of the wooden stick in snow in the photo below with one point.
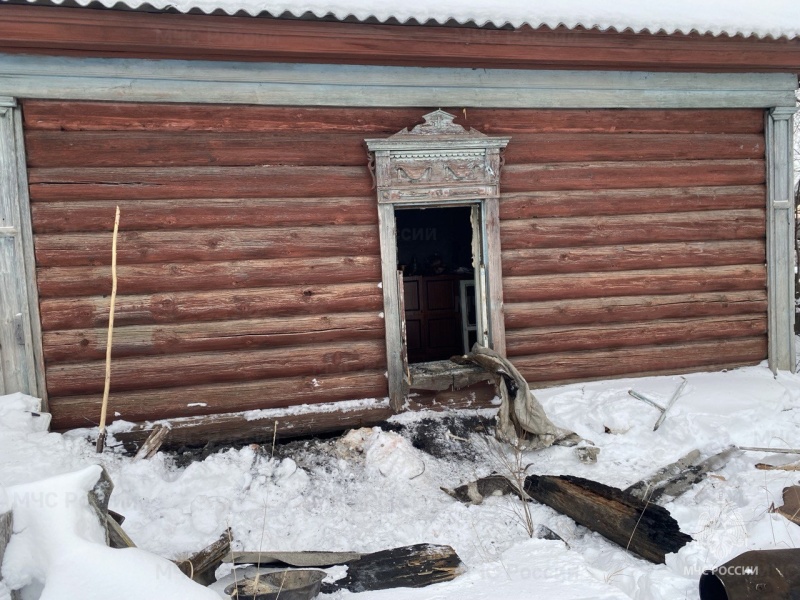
(101, 438)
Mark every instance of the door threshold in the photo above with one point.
(439, 375)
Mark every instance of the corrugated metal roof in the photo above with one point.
(759, 18)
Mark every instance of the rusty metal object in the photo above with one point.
(763, 574)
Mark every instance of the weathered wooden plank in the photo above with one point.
(569, 203)
(632, 283)
(315, 84)
(71, 249)
(181, 149)
(152, 372)
(625, 175)
(538, 261)
(633, 229)
(641, 359)
(162, 149)
(524, 342)
(151, 183)
(633, 308)
(220, 38)
(589, 147)
(246, 427)
(182, 307)
(60, 282)
(146, 215)
(114, 116)
(494, 269)
(220, 398)
(78, 345)
(477, 395)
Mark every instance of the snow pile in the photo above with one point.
(774, 18)
(58, 549)
(374, 489)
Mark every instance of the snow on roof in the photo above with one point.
(760, 18)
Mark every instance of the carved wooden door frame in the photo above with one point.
(436, 164)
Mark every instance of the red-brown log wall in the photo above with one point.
(633, 242)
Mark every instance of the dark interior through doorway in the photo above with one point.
(434, 251)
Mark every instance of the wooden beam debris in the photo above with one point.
(415, 566)
(201, 566)
(153, 442)
(644, 529)
(664, 409)
(410, 566)
(676, 479)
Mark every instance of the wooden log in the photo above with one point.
(200, 566)
(527, 148)
(219, 398)
(148, 372)
(208, 275)
(646, 530)
(640, 359)
(642, 489)
(682, 481)
(113, 116)
(151, 183)
(478, 395)
(625, 309)
(415, 566)
(246, 427)
(75, 216)
(199, 36)
(241, 149)
(182, 307)
(523, 342)
(620, 175)
(549, 261)
(73, 249)
(80, 345)
(633, 229)
(153, 443)
(631, 283)
(545, 383)
(162, 149)
(580, 203)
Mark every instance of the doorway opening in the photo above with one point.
(439, 252)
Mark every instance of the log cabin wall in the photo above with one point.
(248, 256)
(633, 242)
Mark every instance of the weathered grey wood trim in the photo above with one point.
(780, 239)
(354, 85)
(29, 259)
(398, 387)
(18, 370)
(494, 265)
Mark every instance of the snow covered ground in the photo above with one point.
(372, 489)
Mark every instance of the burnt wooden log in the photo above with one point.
(410, 566)
(641, 489)
(644, 529)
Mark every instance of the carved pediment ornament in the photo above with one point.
(436, 160)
